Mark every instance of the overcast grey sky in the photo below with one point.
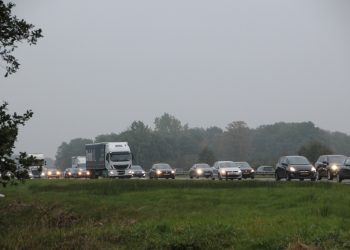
(103, 64)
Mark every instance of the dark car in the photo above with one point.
(80, 172)
(327, 166)
(344, 170)
(67, 173)
(247, 170)
(161, 170)
(201, 170)
(137, 171)
(294, 167)
(265, 170)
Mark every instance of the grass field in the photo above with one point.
(150, 214)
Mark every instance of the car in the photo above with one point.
(67, 173)
(137, 171)
(344, 170)
(247, 170)
(294, 167)
(227, 170)
(80, 173)
(327, 166)
(51, 173)
(265, 170)
(161, 170)
(201, 170)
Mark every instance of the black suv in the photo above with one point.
(294, 167)
(328, 166)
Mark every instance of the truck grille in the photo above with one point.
(120, 167)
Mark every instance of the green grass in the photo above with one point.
(150, 214)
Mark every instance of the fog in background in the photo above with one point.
(104, 64)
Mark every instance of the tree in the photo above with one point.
(167, 125)
(207, 156)
(8, 134)
(12, 32)
(312, 150)
(237, 141)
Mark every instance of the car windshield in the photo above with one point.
(298, 160)
(202, 166)
(227, 164)
(243, 164)
(136, 167)
(163, 166)
(337, 159)
(120, 156)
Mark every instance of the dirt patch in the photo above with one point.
(302, 246)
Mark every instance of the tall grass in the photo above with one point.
(150, 214)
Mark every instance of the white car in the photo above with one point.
(227, 170)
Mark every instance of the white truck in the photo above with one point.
(79, 162)
(109, 159)
(36, 170)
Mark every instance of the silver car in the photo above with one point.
(227, 170)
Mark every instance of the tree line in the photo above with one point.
(181, 146)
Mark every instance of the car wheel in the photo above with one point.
(318, 176)
(329, 176)
(173, 178)
(277, 178)
(191, 177)
(239, 179)
(288, 177)
(313, 179)
(339, 179)
(252, 177)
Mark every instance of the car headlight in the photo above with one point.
(111, 171)
(252, 171)
(172, 171)
(88, 172)
(199, 171)
(334, 167)
(58, 172)
(79, 173)
(42, 174)
(49, 173)
(143, 172)
(159, 172)
(292, 169)
(223, 172)
(313, 169)
(69, 173)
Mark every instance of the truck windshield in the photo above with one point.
(120, 156)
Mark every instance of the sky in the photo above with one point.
(104, 64)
